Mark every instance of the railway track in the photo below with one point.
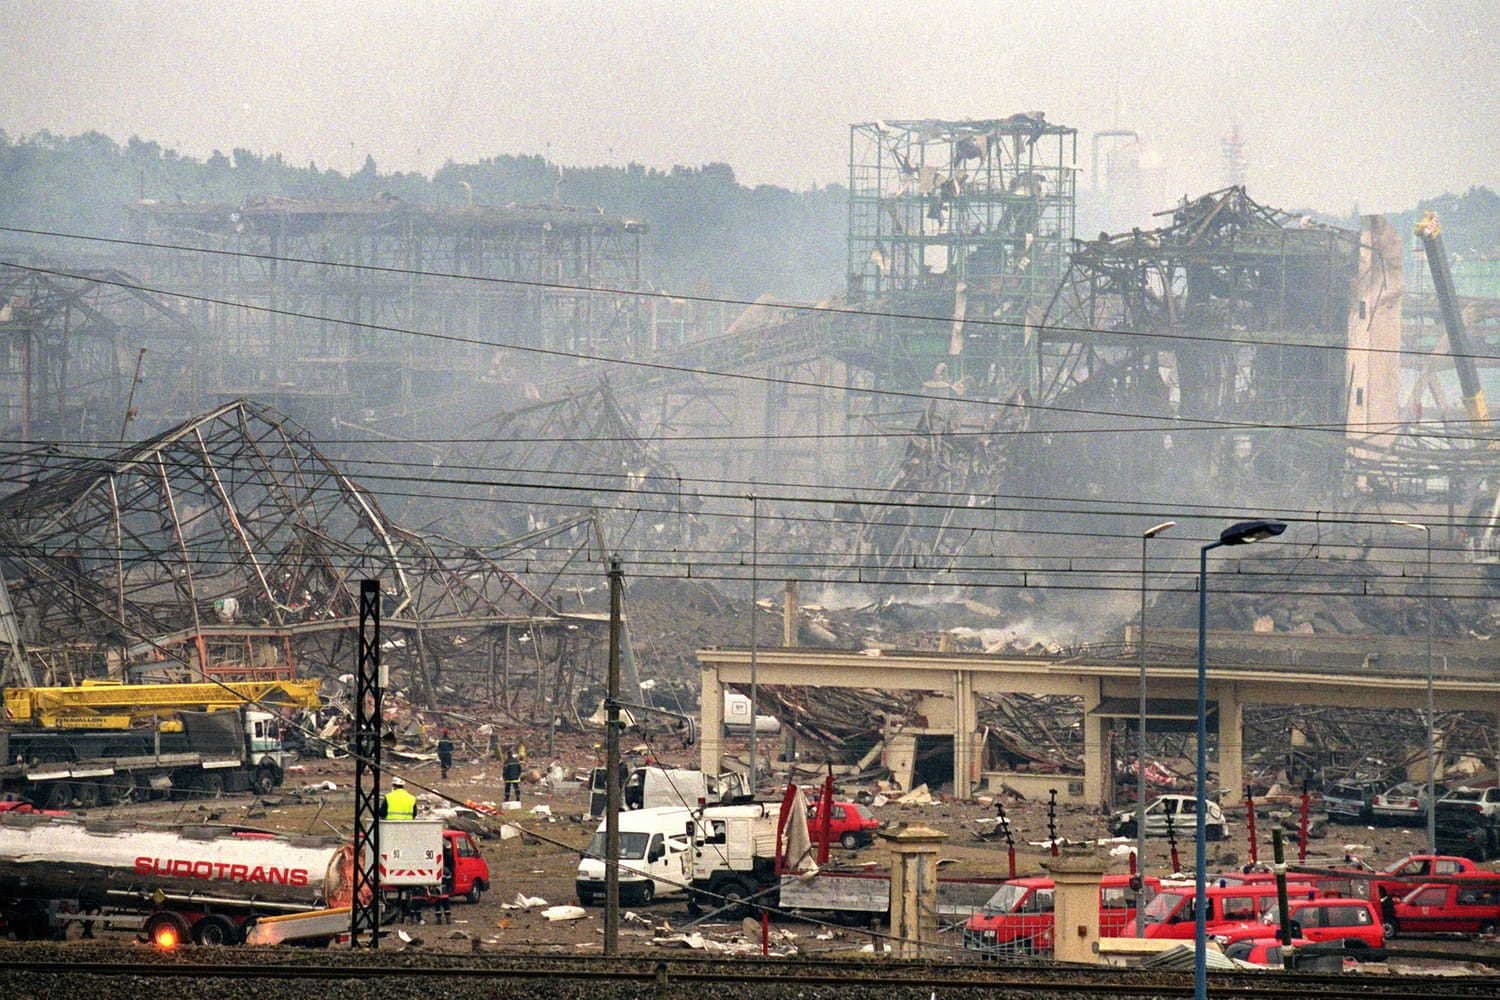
(667, 977)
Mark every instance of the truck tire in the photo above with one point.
(849, 841)
(645, 893)
(216, 930)
(87, 793)
(56, 795)
(733, 892)
(264, 782)
(211, 784)
(159, 923)
(475, 891)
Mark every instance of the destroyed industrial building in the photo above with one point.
(508, 384)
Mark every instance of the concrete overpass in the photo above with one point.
(1244, 669)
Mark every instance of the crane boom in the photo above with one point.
(119, 706)
(1431, 234)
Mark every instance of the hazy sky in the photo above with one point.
(1375, 102)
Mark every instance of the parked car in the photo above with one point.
(1351, 800)
(850, 824)
(1170, 914)
(1261, 951)
(1485, 801)
(1403, 804)
(1018, 918)
(1355, 921)
(1183, 809)
(1464, 830)
(1471, 906)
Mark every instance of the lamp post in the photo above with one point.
(1431, 708)
(1140, 741)
(1242, 533)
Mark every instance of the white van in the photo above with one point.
(652, 787)
(654, 856)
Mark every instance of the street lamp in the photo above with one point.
(1431, 709)
(1242, 533)
(1140, 743)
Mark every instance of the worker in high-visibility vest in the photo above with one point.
(398, 803)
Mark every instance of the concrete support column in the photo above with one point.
(711, 714)
(1231, 745)
(1096, 769)
(913, 906)
(965, 727)
(1075, 925)
(789, 606)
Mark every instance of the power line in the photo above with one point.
(1172, 421)
(719, 300)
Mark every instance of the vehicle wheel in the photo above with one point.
(215, 930)
(1390, 927)
(264, 782)
(212, 786)
(56, 795)
(694, 908)
(850, 841)
(1488, 927)
(734, 893)
(645, 894)
(158, 926)
(475, 891)
(1214, 832)
(87, 794)
(1125, 830)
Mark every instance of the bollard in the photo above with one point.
(1010, 840)
(1172, 844)
(1302, 828)
(1250, 819)
(1052, 819)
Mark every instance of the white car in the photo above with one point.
(1404, 803)
(1183, 809)
(1486, 801)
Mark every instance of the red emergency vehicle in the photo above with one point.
(1469, 906)
(1019, 916)
(1171, 915)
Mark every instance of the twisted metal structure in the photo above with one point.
(222, 546)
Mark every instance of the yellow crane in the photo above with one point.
(1430, 232)
(112, 705)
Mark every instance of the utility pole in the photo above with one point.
(365, 909)
(612, 766)
(135, 380)
(754, 613)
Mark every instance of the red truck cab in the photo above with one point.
(1171, 914)
(1354, 921)
(851, 825)
(465, 872)
(1470, 906)
(1019, 917)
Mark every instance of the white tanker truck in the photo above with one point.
(208, 884)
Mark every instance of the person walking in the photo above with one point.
(445, 753)
(398, 803)
(512, 775)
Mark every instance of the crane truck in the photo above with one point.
(103, 742)
(1484, 548)
(214, 884)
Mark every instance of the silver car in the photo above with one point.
(1404, 804)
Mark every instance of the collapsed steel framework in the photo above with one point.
(70, 342)
(965, 219)
(229, 546)
(514, 274)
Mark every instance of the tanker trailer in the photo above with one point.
(204, 883)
